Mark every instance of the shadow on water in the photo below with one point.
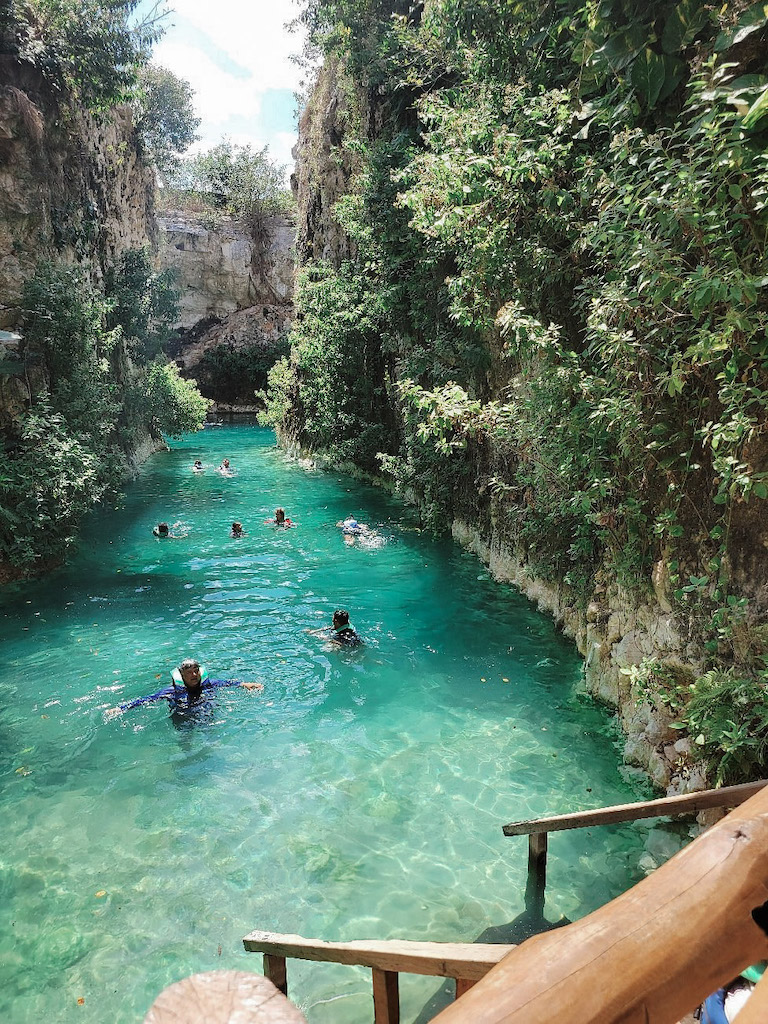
(529, 923)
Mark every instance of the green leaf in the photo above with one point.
(757, 110)
(620, 49)
(752, 20)
(683, 25)
(648, 74)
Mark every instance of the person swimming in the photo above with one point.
(340, 631)
(189, 682)
(280, 519)
(350, 527)
(225, 469)
(237, 530)
(161, 530)
(198, 466)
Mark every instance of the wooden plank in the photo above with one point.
(275, 970)
(386, 997)
(223, 997)
(689, 803)
(440, 959)
(652, 954)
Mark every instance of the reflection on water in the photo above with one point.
(360, 795)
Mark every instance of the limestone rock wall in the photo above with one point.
(73, 185)
(221, 269)
(235, 291)
(324, 166)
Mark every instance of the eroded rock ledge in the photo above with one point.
(613, 633)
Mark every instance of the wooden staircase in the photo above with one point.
(649, 957)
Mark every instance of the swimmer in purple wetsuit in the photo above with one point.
(193, 685)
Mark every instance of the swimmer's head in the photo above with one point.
(340, 618)
(162, 529)
(237, 527)
(279, 515)
(190, 672)
(226, 463)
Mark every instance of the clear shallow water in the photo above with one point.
(360, 796)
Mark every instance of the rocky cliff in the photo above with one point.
(73, 185)
(236, 291)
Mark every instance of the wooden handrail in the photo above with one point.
(537, 829)
(470, 960)
(466, 962)
(668, 806)
(652, 954)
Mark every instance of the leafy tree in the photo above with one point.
(105, 389)
(172, 404)
(143, 304)
(236, 180)
(165, 116)
(90, 49)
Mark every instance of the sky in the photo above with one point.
(236, 56)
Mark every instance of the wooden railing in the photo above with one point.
(537, 829)
(465, 962)
(648, 957)
(652, 954)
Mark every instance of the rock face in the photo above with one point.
(221, 269)
(324, 167)
(235, 292)
(73, 185)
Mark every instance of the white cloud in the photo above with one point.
(218, 96)
(252, 33)
(251, 36)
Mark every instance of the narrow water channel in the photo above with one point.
(361, 795)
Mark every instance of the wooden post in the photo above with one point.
(463, 985)
(537, 874)
(275, 970)
(386, 998)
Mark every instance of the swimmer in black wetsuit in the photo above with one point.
(340, 632)
(189, 685)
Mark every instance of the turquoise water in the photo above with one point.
(361, 795)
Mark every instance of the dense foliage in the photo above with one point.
(165, 116)
(235, 180)
(100, 385)
(233, 374)
(560, 224)
(87, 49)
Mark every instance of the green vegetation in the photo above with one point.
(99, 386)
(234, 180)
(230, 374)
(165, 116)
(89, 50)
(559, 287)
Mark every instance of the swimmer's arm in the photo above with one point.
(166, 693)
(211, 683)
